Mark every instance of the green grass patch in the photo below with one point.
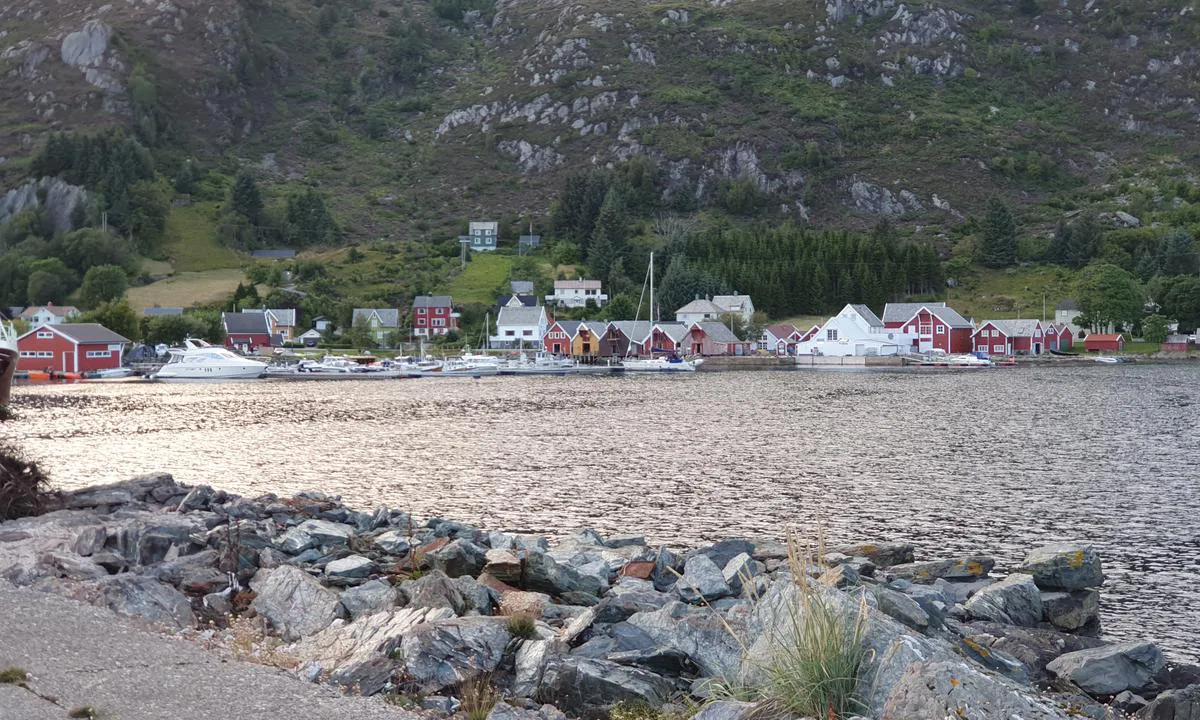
(187, 289)
(13, 676)
(192, 240)
(1139, 347)
(1011, 292)
(479, 281)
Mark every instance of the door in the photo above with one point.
(68, 361)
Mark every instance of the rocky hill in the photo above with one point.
(412, 113)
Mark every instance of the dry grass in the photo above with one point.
(522, 626)
(13, 676)
(187, 289)
(478, 696)
(23, 485)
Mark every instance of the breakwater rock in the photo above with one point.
(376, 602)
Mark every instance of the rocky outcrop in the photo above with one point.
(59, 200)
(1064, 567)
(293, 601)
(948, 689)
(1015, 600)
(1110, 669)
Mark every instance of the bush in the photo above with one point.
(23, 485)
(522, 626)
(478, 697)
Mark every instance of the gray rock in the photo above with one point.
(1174, 705)
(148, 599)
(663, 661)
(393, 542)
(881, 554)
(1064, 567)
(1071, 610)
(702, 580)
(545, 574)
(293, 601)
(993, 659)
(725, 550)
(442, 704)
(198, 499)
(354, 566)
(156, 543)
(840, 576)
(368, 598)
(477, 599)
(442, 654)
(86, 47)
(948, 689)
(623, 541)
(73, 567)
(666, 563)
(504, 565)
(529, 664)
(1127, 220)
(1015, 600)
(700, 635)
(61, 201)
(618, 607)
(1033, 647)
(579, 685)
(313, 534)
(435, 590)
(461, 557)
(960, 591)
(726, 710)
(967, 568)
(1110, 669)
(740, 570)
(901, 607)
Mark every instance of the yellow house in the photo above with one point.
(586, 340)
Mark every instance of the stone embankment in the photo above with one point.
(374, 603)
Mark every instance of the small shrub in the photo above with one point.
(478, 697)
(13, 676)
(87, 712)
(523, 626)
(23, 485)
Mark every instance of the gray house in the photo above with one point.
(380, 321)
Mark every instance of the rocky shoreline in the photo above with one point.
(438, 615)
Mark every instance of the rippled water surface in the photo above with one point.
(991, 461)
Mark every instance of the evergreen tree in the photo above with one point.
(102, 284)
(1084, 241)
(1179, 254)
(608, 237)
(999, 235)
(245, 198)
(1057, 252)
(308, 219)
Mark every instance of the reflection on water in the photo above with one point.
(991, 461)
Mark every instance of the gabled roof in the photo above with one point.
(432, 301)
(717, 332)
(1013, 328)
(1066, 305)
(1104, 337)
(526, 300)
(635, 330)
(675, 330)
(162, 311)
(388, 317)
(577, 284)
(867, 314)
(284, 316)
(596, 327)
(521, 287)
(903, 312)
(488, 226)
(250, 322)
(732, 302)
(520, 315)
(59, 310)
(311, 332)
(701, 307)
(82, 333)
(779, 331)
(570, 327)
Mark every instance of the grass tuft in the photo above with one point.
(13, 676)
(523, 626)
(478, 697)
(87, 712)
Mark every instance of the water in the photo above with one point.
(955, 462)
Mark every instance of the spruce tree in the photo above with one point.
(999, 235)
(245, 198)
(608, 237)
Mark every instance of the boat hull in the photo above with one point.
(209, 373)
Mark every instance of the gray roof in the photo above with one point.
(674, 330)
(868, 315)
(88, 333)
(520, 315)
(901, 312)
(636, 330)
(252, 322)
(162, 311)
(718, 332)
(521, 287)
(388, 317)
(1067, 305)
(570, 327)
(431, 301)
(278, 254)
(596, 327)
(1013, 328)
(526, 300)
(701, 306)
(731, 302)
(284, 316)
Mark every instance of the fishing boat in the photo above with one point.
(198, 360)
(669, 363)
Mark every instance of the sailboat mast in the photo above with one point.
(652, 318)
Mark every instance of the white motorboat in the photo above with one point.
(968, 361)
(8, 337)
(109, 374)
(198, 360)
(661, 364)
(1110, 359)
(458, 368)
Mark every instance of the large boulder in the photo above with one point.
(1064, 567)
(148, 599)
(1110, 669)
(701, 635)
(369, 598)
(293, 601)
(617, 607)
(702, 580)
(459, 558)
(438, 655)
(725, 550)
(1034, 647)
(545, 574)
(314, 534)
(966, 568)
(1073, 610)
(579, 685)
(902, 608)
(883, 555)
(462, 595)
(1174, 705)
(954, 689)
(1015, 600)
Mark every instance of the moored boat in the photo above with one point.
(198, 360)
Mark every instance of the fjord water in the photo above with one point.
(993, 461)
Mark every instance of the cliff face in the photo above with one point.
(410, 113)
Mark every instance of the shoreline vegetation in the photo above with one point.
(450, 619)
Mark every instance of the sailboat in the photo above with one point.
(666, 363)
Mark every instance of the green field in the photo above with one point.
(1013, 293)
(192, 245)
(187, 289)
(479, 282)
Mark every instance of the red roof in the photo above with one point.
(1101, 337)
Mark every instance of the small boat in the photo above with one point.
(1110, 359)
(672, 363)
(198, 360)
(1063, 353)
(109, 374)
(458, 368)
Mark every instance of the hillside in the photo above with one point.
(412, 116)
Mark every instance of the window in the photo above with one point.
(28, 354)
(941, 329)
(509, 333)
(45, 354)
(998, 349)
(831, 334)
(98, 353)
(45, 335)
(526, 333)
(420, 311)
(926, 329)
(438, 322)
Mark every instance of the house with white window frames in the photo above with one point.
(482, 236)
(520, 327)
(576, 293)
(856, 331)
(381, 322)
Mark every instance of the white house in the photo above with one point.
(482, 236)
(51, 314)
(741, 304)
(380, 321)
(520, 327)
(699, 310)
(576, 293)
(310, 338)
(282, 322)
(855, 331)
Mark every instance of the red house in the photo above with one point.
(781, 338)
(1101, 341)
(246, 331)
(934, 326)
(559, 337)
(1177, 343)
(1010, 337)
(71, 348)
(1059, 337)
(433, 315)
(715, 338)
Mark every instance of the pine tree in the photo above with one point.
(1084, 241)
(608, 237)
(999, 235)
(1059, 244)
(245, 198)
